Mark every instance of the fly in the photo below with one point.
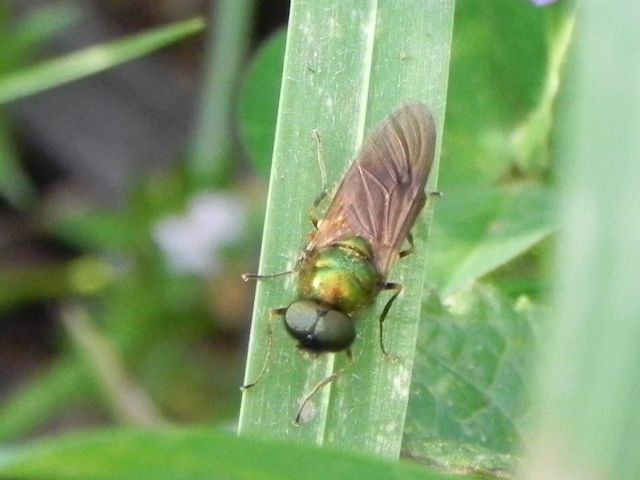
(345, 265)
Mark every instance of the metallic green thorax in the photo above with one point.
(342, 275)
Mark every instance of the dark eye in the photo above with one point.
(319, 328)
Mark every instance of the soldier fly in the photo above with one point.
(346, 262)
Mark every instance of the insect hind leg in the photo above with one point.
(385, 311)
(276, 312)
(312, 392)
(325, 381)
(409, 250)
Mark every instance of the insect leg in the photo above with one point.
(256, 276)
(323, 171)
(276, 312)
(411, 248)
(321, 384)
(349, 354)
(314, 214)
(317, 387)
(398, 288)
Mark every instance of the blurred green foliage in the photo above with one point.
(192, 454)
(17, 42)
(481, 317)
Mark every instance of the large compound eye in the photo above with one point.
(318, 328)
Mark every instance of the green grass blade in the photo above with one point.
(589, 389)
(346, 68)
(53, 73)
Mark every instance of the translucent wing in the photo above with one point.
(382, 193)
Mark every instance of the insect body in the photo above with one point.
(346, 262)
(333, 283)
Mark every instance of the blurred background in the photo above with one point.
(132, 200)
(120, 289)
(135, 146)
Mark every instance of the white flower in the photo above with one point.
(542, 3)
(191, 241)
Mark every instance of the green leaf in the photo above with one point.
(259, 102)
(475, 231)
(346, 68)
(469, 392)
(53, 73)
(498, 69)
(192, 455)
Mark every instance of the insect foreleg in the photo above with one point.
(256, 276)
(276, 312)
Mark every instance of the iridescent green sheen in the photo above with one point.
(342, 275)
